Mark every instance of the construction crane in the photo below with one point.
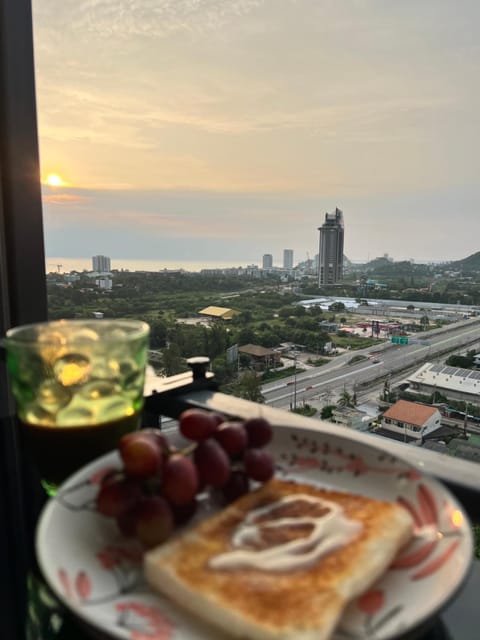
(59, 266)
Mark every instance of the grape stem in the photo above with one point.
(186, 451)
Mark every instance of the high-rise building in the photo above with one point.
(101, 264)
(330, 263)
(267, 261)
(288, 258)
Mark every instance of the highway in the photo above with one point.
(325, 382)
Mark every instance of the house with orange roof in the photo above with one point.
(410, 421)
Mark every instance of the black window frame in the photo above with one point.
(23, 297)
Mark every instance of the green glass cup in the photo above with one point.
(78, 386)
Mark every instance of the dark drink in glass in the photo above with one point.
(59, 451)
(78, 385)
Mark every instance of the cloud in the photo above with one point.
(243, 226)
(144, 18)
(62, 199)
(241, 122)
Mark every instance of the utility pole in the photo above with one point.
(295, 381)
(465, 420)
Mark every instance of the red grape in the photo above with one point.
(117, 495)
(197, 424)
(259, 464)
(127, 522)
(183, 513)
(154, 521)
(180, 480)
(141, 455)
(232, 436)
(259, 432)
(157, 436)
(218, 417)
(212, 462)
(237, 485)
(158, 485)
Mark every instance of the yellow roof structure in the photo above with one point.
(219, 312)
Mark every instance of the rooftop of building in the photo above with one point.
(445, 377)
(218, 312)
(256, 350)
(410, 412)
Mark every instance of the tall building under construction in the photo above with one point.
(330, 254)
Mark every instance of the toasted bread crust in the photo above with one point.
(301, 604)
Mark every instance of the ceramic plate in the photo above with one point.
(97, 573)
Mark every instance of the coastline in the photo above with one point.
(65, 265)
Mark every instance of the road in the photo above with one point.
(325, 382)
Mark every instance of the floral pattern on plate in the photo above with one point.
(97, 573)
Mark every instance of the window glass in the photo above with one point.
(181, 142)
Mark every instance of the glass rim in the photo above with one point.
(21, 334)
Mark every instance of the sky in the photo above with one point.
(226, 129)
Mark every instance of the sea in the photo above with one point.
(65, 265)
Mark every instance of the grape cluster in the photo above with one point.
(158, 486)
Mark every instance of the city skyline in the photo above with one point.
(212, 130)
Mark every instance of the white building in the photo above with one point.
(288, 258)
(410, 421)
(352, 418)
(267, 261)
(101, 264)
(104, 283)
(453, 382)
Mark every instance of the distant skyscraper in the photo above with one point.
(288, 258)
(267, 261)
(330, 263)
(101, 264)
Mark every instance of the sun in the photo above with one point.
(54, 180)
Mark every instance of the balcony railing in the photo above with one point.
(199, 389)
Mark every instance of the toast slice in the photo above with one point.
(282, 562)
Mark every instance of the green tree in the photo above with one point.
(246, 335)
(216, 340)
(158, 333)
(172, 362)
(249, 387)
(245, 317)
(315, 310)
(425, 322)
(285, 312)
(464, 362)
(327, 412)
(345, 399)
(269, 339)
(224, 372)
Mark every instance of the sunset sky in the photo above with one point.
(225, 129)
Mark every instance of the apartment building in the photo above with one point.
(330, 267)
